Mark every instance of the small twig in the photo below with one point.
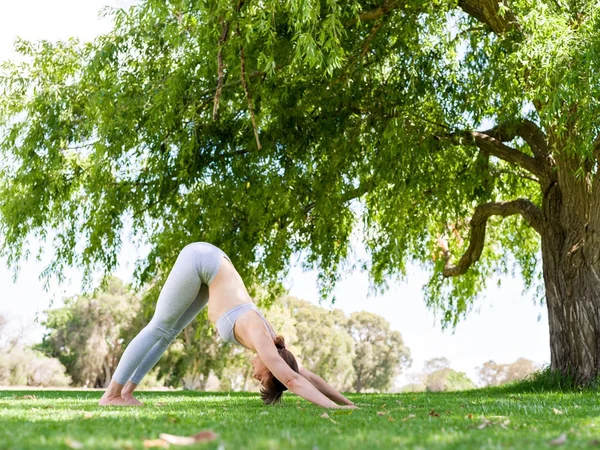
(220, 69)
(248, 96)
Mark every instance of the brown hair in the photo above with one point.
(273, 388)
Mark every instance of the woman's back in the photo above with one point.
(226, 291)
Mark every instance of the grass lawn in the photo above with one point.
(481, 419)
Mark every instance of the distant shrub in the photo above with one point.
(25, 367)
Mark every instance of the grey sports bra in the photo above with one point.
(226, 322)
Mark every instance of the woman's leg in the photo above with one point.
(159, 348)
(197, 263)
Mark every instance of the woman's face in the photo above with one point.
(260, 370)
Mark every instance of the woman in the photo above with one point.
(230, 308)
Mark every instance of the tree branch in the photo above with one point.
(495, 147)
(489, 12)
(376, 13)
(526, 129)
(248, 96)
(530, 212)
(220, 69)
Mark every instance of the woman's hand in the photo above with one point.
(353, 406)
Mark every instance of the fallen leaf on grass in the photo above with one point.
(160, 404)
(557, 411)
(483, 424)
(469, 416)
(410, 416)
(72, 443)
(149, 443)
(203, 436)
(559, 440)
(325, 416)
(391, 419)
(381, 413)
(432, 413)
(264, 413)
(26, 397)
(502, 421)
(87, 415)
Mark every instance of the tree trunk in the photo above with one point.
(571, 268)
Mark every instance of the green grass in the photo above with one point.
(516, 420)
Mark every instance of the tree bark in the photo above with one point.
(571, 269)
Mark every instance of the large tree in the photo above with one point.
(461, 134)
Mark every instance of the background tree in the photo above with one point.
(380, 354)
(448, 379)
(323, 342)
(437, 376)
(434, 364)
(493, 374)
(87, 333)
(461, 134)
(22, 366)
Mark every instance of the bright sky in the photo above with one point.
(505, 325)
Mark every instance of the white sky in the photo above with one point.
(506, 324)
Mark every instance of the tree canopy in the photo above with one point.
(459, 134)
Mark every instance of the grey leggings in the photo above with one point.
(183, 296)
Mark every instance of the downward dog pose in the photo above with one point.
(186, 292)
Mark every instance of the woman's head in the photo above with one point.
(272, 388)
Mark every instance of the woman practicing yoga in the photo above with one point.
(186, 292)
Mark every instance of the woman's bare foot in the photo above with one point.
(113, 401)
(131, 400)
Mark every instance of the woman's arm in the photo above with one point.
(324, 387)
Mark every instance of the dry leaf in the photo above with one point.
(264, 413)
(410, 416)
(559, 440)
(148, 443)
(557, 411)
(160, 404)
(576, 406)
(177, 440)
(381, 413)
(391, 419)
(469, 416)
(72, 443)
(325, 416)
(433, 413)
(28, 397)
(87, 415)
(484, 424)
(203, 436)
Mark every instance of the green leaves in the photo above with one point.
(355, 104)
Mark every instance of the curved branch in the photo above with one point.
(530, 212)
(495, 147)
(489, 13)
(526, 129)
